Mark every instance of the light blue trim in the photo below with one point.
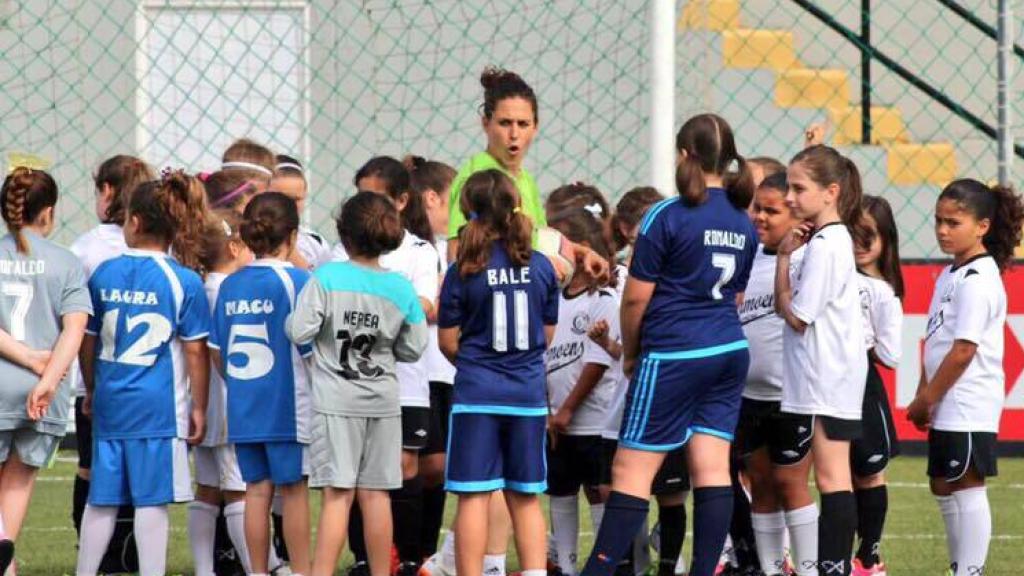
(651, 447)
(499, 410)
(700, 352)
(475, 486)
(712, 432)
(391, 286)
(650, 398)
(653, 212)
(634, 408)
(527, 487)
(641, 398)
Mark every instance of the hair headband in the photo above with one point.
(232, 195)
(246, 166)
(289, 166)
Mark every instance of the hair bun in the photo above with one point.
(413, 162)
(493, 77)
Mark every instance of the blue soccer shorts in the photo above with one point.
(140, 472)
(674, 395)
(503, 449)
(282, 463)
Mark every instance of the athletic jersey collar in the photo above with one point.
(836, 223)
(271, 263)
(956, 267)
(143, 253)
(767, 252)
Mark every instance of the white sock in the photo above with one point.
(152, 525)
(951, 518)
(770, 533)
(494, 565)
(98, 524)
(975, 530)
(803, 529)
(448, 553)
(202, 530)
(234, 517)
(596, 515)
(565, 528)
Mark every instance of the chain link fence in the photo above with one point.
(334, 82)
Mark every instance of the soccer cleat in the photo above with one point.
(859, 569)
(359, 569)
(408, 569)
(6, 555)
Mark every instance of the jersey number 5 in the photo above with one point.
(259, 358)
(727, 264)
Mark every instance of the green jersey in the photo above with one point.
(529, 193)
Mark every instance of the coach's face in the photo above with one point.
(510, 131)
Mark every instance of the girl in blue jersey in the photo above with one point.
(145, 348)
(683, 345)
(499, 305)
(824, 358)
(268, 401)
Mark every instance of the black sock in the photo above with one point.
(80, 498)
(836, 526)
(433, 518)
(872, 505)
(623, 516)
(741, 529)
(672, 520)
(407, 518)
(278, 539)
(356, 538)
(712, 512)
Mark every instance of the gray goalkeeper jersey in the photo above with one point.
(360, 321)
(36, 289)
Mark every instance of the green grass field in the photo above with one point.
(914, 542)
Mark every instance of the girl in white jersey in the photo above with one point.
(824, 359)
(416, 259)
(878, 260)
(432, 180)
(762, 395)
(961, 393)
(114, 179)
(290, 179)
(579, 394)
(45, 307)
(218, 479)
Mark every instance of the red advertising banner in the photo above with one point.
(901, 384)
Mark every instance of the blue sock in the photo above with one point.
(712, 513)
(623, 516)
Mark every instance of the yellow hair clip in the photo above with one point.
(25, 160)
(518, 210)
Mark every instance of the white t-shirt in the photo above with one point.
(825, 368)
(420, 263)
(571, 349)
(618, 382)
(969, 303)
(313, 247)
(93, 248)
(439, 369)
(883, 319)
(763, 327)
(216, 405)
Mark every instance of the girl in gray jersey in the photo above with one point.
(361, 320)
(45, 308)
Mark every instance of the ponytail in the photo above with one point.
(490, 203)
(1000, 205)
(851, 195)
(25, 194)
(172, 210)
(710, 148)
(186, 204)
